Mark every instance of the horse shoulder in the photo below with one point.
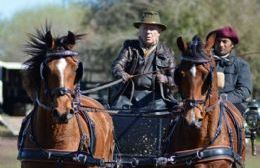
(236, 113)
(97, 112)
(90, 102)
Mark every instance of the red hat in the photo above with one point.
(226, 32)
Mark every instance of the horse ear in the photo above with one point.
(71, 40)
(181, 44)
(49, 40)
(210, 42)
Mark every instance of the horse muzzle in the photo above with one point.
(63, 117)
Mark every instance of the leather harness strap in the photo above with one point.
(200, 155)
(84, 158)
(91, 126)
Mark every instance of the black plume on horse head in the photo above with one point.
(197, 53)
(68, 41)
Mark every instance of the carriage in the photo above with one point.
(68, 129)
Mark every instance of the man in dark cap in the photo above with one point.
(235, 70)
(136, 62)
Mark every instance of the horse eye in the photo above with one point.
(182, 73)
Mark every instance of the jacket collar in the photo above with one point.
(229, 60)
(160, 51)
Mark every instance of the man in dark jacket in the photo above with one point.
(237, 75)
(146, 66)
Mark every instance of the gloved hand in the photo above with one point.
(126, 76)
(161, 78)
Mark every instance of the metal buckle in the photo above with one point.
(172, 160)
(80, 158)
(161, 161)
(199, 156)
(188, 162)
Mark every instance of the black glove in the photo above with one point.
(125, 76)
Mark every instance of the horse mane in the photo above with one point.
(37, 47)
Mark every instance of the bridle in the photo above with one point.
(196, 55)
(194, 103)
(59, 91)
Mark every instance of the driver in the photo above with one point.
(145, 55)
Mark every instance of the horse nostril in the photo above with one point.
(55, 113)
(200, 119)
(71, 111)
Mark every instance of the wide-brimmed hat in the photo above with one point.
(226, 32)
(150, 17)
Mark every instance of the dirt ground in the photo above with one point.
(8, 152)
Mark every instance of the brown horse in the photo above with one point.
(209, 132)
(65, 129)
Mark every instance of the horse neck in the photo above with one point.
(213, 116)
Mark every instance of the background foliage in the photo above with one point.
(108, 23)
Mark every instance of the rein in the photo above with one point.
(115, 82)
(133, 112)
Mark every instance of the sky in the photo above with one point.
(10, 7)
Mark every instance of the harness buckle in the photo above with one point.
(188, 162)
(172, 160)
(161, 161)
(223, 98)
(199, 155)
(80, 158)
(75, 106)
(49, 155)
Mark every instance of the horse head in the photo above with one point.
(60, 72)
(207, 122)
(194, 78)
(59, 69)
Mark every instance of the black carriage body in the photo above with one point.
(139, 136)
(13, 97)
